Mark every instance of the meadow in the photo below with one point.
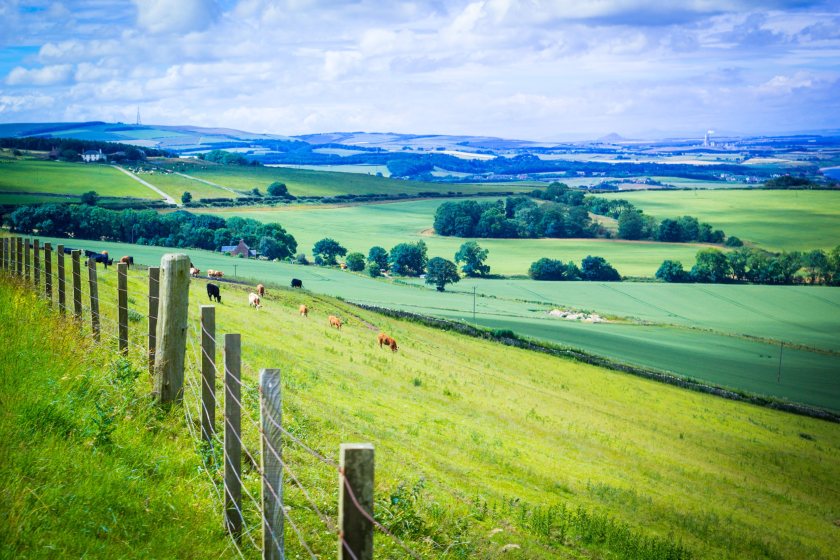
(725, 335)
(176, 185)
(359, 227)
(567, 460)
(28, 175)
(770, 219)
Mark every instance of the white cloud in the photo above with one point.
(180, 16)
(46, 76)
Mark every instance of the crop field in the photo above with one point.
(25, 176)
(773, 220)
(359, 227)
(724, 335)
(365, 169)
(176, 185)
(482, 436)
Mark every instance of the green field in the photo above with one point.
(360, 227)
(26, 176)
(773, 220)
(176, 185)
(495, 437)
(728, 335)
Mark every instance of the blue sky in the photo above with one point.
(528, 69)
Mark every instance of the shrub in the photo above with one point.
(355, 262)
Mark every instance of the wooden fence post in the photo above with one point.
(94, 299)
(62, 292)
(208, 372)
(355, 529)
(48, 271)
(77, 284)
(154, 291)
(272, 465)
(19, 256)
(3, 254)
(27, 247)
(36, 261)
(233, 445)
(122, 305)
(171, 336)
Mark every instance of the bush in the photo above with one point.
(598, 269)
(547, 269)
(733, 241)
(374, 270)
(355, 262)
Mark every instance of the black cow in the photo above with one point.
(99, 257)
(68, 250)
(296, 283)
(213, 292)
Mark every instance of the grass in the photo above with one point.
(176, 185)
(89, 469)
(360, 227)
(498, 446)
(773, 220)
(726, 335)
(27, 176)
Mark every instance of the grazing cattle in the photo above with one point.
(127, 260)
(194, 272)
(304, 311)
(335, 322)
(68, 250)
(213, 292)
(99, 257)
(296, 283)
(385, 340)
(260, 290)
(214, 273)
(254, 300)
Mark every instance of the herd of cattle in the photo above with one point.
(102, 257)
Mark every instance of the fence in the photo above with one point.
(181, 357)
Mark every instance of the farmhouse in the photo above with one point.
(240, 249)
(94, 155)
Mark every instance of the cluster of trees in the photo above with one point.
(564, 214)
(227, 158)
(147, 227)
(793, 182)
(591, 268)
(746, 264)
(75, 146)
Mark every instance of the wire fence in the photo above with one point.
(251, 502)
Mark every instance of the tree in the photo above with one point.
(408, 259)
(186, 198)
(631, 224)
(473, 256)
(441, 272)
(733, 241)
(270, 248)
(548, 269)
(374, 270)
(816, 265)
(711, 266)
(598, 269)
(256, 192)
(669, 230)
(90, 198)
(379, 256)
(355, 262)
(300, 258)
(328, 249)
(671, 271)
(277, 189)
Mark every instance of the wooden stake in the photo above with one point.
(233, 446)
(77, 285)
(171, 336)
(356, 530)
(154, 291)
(36, 261)
(27, 247)
(19, 241)
(272, 465)
(122, 305)
(62, 295)
(208, 372)
(48, 271)
(93, 286)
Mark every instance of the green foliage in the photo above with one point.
(300, 258)
(355, 262)
(379, 256)
(373, 270)
(408, 259)
(671, 271)
(733, 241)
(598, 269)
(631, 224)
(711, 266)
(278, 189)
(90, 198)
(441, 272)
(473, 257)
(186, 198)
(549, 269)
(328, 250)
(225, 158)
(789, 182)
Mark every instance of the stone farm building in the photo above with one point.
(94, 155)
(241, 249)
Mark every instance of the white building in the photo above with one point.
(94, 155)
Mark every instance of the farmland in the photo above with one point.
(511, 430)
(359, 227)
(725, 335)
(774, 220)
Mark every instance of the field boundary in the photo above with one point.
(508, 338)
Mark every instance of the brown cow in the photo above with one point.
(304, 311)
(214, 273)
(335, 322)
(386, 340)
(127, 260)
(260, 290)
(194, 272)
(254, 300)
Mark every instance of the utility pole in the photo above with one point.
(473, 305)
(779, 374)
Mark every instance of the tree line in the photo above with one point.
(747, 264)
(565, 214)
(147, 227)
(62, 145)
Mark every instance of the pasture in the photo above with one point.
(481, 436)
(32, 176)
(725, 335)
(176, 185)
(770, 219)
(359, 227)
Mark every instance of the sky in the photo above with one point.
(529, 69)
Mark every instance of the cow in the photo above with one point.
(213, 292)
(385, 340)
(214, 273)
(335, 322)
(194, 272)
(260, 290)
(127, 260)
(304, 311)
(254, 300)
(296, 283)
(68, 250)
(99, 257)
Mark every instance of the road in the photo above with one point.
(166, 197)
